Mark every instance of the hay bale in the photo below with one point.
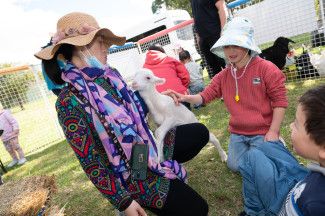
(54, 211)
(26, 196)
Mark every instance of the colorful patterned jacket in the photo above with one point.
(81, 135)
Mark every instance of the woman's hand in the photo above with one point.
(135, 210)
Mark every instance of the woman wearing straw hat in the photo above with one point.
(105, 125)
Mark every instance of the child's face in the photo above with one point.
(234, 53)
(303, 145)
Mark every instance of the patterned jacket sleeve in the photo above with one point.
(83, 139)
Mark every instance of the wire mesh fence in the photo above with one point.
(32, 105)
(298, 20)
(25, 94)
(301, 21)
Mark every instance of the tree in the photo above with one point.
(157, 5)
(13, 88)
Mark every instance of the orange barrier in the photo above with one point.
(10, 70)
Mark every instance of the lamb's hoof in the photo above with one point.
(224, 157)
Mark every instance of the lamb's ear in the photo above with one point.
(160, 81)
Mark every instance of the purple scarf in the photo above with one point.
(126, 118)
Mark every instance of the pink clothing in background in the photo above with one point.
(260, 89)
(9, 125)
(174, 72)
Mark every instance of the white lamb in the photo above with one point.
(164, 111)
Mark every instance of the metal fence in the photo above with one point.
(25, 94)
(300, 20)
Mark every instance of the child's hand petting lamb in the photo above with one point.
(164, 110)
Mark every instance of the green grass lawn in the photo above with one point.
(37, 126)
(207, 175)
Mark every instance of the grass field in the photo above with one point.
(38, 126)
(211, 178)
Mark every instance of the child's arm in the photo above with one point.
(276, 91)
(13, 122)
(177, 97)
(274, 131)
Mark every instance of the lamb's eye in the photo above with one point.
(148, 78)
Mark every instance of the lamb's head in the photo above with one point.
(144, 80)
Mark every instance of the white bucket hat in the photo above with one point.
(238, 32)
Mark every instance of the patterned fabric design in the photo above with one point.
(80, 132)
(125, 116)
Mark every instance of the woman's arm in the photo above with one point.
(84, 141)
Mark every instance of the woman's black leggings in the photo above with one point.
(182, 200)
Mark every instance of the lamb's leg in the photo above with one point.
(216, 143)
(160, 134)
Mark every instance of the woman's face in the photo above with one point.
(99, 48)
(234, 54)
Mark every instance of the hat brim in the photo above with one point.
(234, 39)
(80, 40)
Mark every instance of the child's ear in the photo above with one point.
(321, 153)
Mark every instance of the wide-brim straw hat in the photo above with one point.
(237, 32)
(78, 29)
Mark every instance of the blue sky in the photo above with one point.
(26, 25)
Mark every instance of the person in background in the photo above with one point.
(9, 137)
(173, 71)
(209, 18)
(104, 123)
(196, 73)
(177, 49)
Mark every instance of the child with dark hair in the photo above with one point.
(156, 47)
(306, 197)
(195, 71)
(196, 74)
